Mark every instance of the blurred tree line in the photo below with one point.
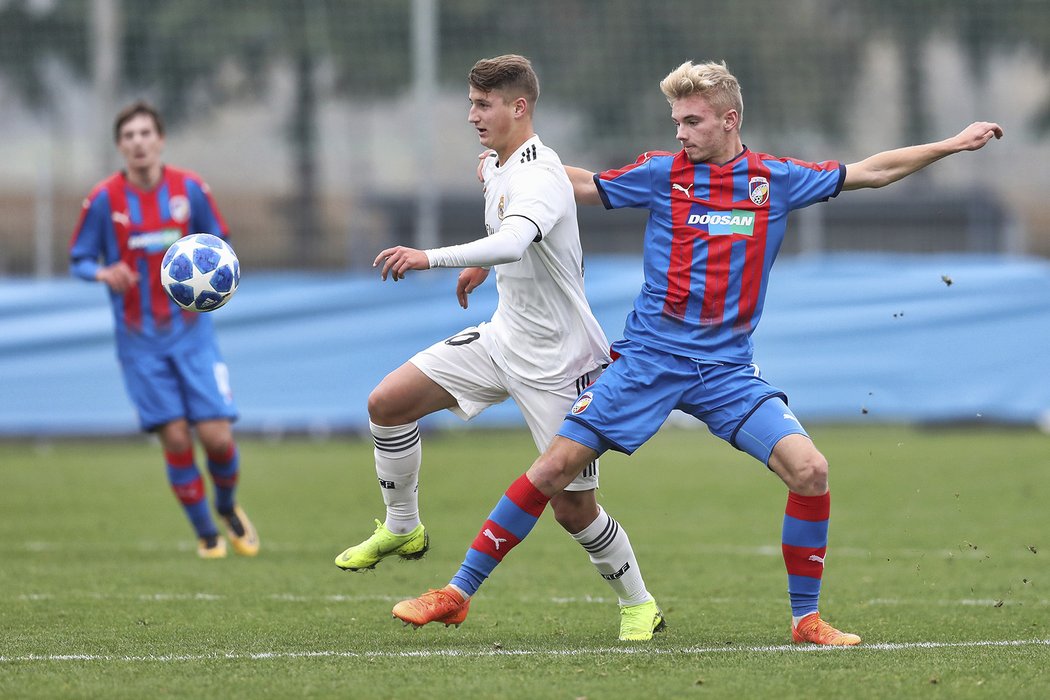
(797, 60)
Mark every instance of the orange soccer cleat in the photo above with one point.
(242, 534)
(211, 547)
(814, 630)
(446, 606)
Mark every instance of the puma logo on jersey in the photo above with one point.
(788, 416)
(818, 559)
(683, 190)
(496, 540)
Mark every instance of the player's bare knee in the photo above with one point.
(175, 437)
(549, 475)
(216, 436)
(574, 510)
(809, 475)
(562, 462)
(219, 447)
(384, 408)
(377, 406)
(178, 445)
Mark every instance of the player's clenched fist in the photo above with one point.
(119, 276)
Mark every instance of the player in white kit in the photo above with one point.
(541, 348)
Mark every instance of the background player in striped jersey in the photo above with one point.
(170, 360)
(541, 348)
(718, 213)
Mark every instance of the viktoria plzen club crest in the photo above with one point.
(758, 190)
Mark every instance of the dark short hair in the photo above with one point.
(511, 73)
(133, 110)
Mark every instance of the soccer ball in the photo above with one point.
(200, 272)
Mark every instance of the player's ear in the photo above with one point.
(521, 106)
(731, 120)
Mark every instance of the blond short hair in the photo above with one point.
(712, 81)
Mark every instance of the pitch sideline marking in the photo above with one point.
(429, 653)
(962, 550)
(165, 597)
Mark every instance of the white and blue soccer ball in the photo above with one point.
(200, 272)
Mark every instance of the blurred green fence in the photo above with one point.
(329, 128)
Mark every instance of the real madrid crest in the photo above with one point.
(500, 208)
(758, 190)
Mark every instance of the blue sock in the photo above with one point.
(508, 524)
(804, 544)
(224, 470)
(188, 486)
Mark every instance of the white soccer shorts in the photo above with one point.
(463, 366)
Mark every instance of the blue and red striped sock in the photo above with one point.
(508, 524)
(805, 543)
(188, 486)
(224, 470)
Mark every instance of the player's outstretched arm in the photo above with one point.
(887, 167)
(506, 245)
(583, 187)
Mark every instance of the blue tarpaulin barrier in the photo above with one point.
(848, 337)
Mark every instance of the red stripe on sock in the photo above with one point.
(189, 493)
(179, 460)
(800, 561)
(494, 541)
(224, 457)
(527, 497)
(811, 508)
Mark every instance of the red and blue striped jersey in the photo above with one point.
(710, 241)
(121, 222)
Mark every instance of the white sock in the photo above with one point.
(795, 619)
(611, 553)
(459, 590)
(398, 455)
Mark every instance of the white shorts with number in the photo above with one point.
(463, 367)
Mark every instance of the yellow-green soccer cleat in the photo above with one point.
(242, 534)
(213, 547)
(383, 544)
(814, 630)
(639, 622)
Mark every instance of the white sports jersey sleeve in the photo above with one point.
(545, 333)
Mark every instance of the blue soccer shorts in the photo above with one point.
(168, 386)
(635, 395)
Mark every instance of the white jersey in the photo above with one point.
(544, 331)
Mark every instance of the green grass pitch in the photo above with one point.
(938, 559)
